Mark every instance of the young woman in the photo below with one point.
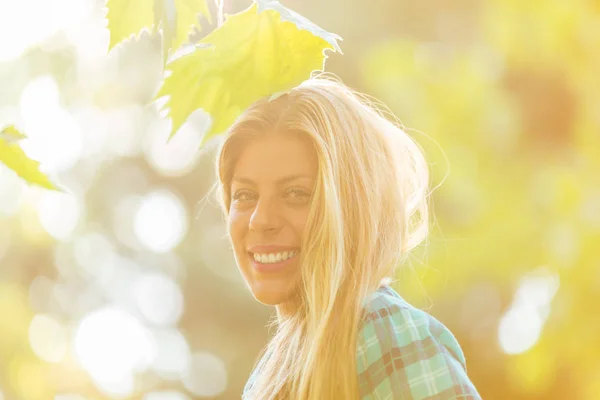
(324, 197)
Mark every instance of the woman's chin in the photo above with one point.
(269, 298)
(272, 290)
(271, 295)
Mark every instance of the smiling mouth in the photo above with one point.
(273, 258)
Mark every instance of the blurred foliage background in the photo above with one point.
(127, 288)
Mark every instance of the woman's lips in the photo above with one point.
(270, 267)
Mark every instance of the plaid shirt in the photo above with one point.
(404, 353)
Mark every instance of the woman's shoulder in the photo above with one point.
(405, 351)
(388, 317)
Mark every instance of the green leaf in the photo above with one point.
(254, 54)
(176, 17)
(128, 17)
(15, 158)
(300, 21)
(10, 134)
(187, 18)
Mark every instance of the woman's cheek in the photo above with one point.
(238, 227)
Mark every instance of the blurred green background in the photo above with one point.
(127, 288)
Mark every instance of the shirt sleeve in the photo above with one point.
(405, 353)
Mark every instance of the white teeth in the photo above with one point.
(274, 257)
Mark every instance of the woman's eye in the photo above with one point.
(297, 195)
(243, 196)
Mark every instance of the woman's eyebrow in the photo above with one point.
(280, 181)
(242, 180)
(291, 178)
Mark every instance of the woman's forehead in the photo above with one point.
(276, 158)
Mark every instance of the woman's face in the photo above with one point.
(271, 191)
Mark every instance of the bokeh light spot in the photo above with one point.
(166, 395)
(69, 397)
(48, 338)
(207, 375)
(521, 326)
(519, 329)
(116, 387)
(179, 154)
(12, 190)
(111, 344)
(159, 299)
(160, 222)
(59, 213)
(173, 354)
(95, 254)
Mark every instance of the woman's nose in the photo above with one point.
(265, 216)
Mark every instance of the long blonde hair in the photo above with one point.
(370, 207)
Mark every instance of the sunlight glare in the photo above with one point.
(53, 136)
(23, 27)
(40, 98)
